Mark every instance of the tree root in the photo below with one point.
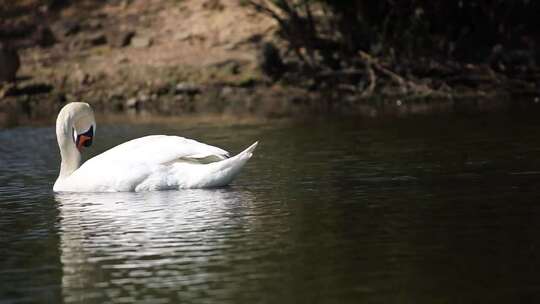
(372, 81)
(406, 86)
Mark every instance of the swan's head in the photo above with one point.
(76, 119)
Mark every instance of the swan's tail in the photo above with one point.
(221, 173)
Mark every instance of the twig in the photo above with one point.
(372, 81)
(266, 10)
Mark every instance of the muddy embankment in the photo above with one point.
(191, 57)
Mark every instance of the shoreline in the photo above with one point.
(43, 111)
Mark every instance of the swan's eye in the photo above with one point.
(84, 139)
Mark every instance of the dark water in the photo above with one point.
(422, 210)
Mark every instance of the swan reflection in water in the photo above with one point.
(124, 245)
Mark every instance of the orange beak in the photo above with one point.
(82, 139)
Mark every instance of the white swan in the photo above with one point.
(148, 163)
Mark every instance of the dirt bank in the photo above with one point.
(181, 57)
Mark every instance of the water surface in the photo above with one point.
(417, 210)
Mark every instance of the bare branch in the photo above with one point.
(266, 10)
(372, 81)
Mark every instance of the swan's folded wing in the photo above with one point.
(159, 149)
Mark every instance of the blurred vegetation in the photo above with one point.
(401, 42)
(461, 30)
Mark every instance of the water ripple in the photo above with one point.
(324, 213)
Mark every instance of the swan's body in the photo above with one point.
(148, 163)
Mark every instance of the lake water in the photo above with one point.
(414, 210)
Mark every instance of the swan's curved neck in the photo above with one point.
(71, 157)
